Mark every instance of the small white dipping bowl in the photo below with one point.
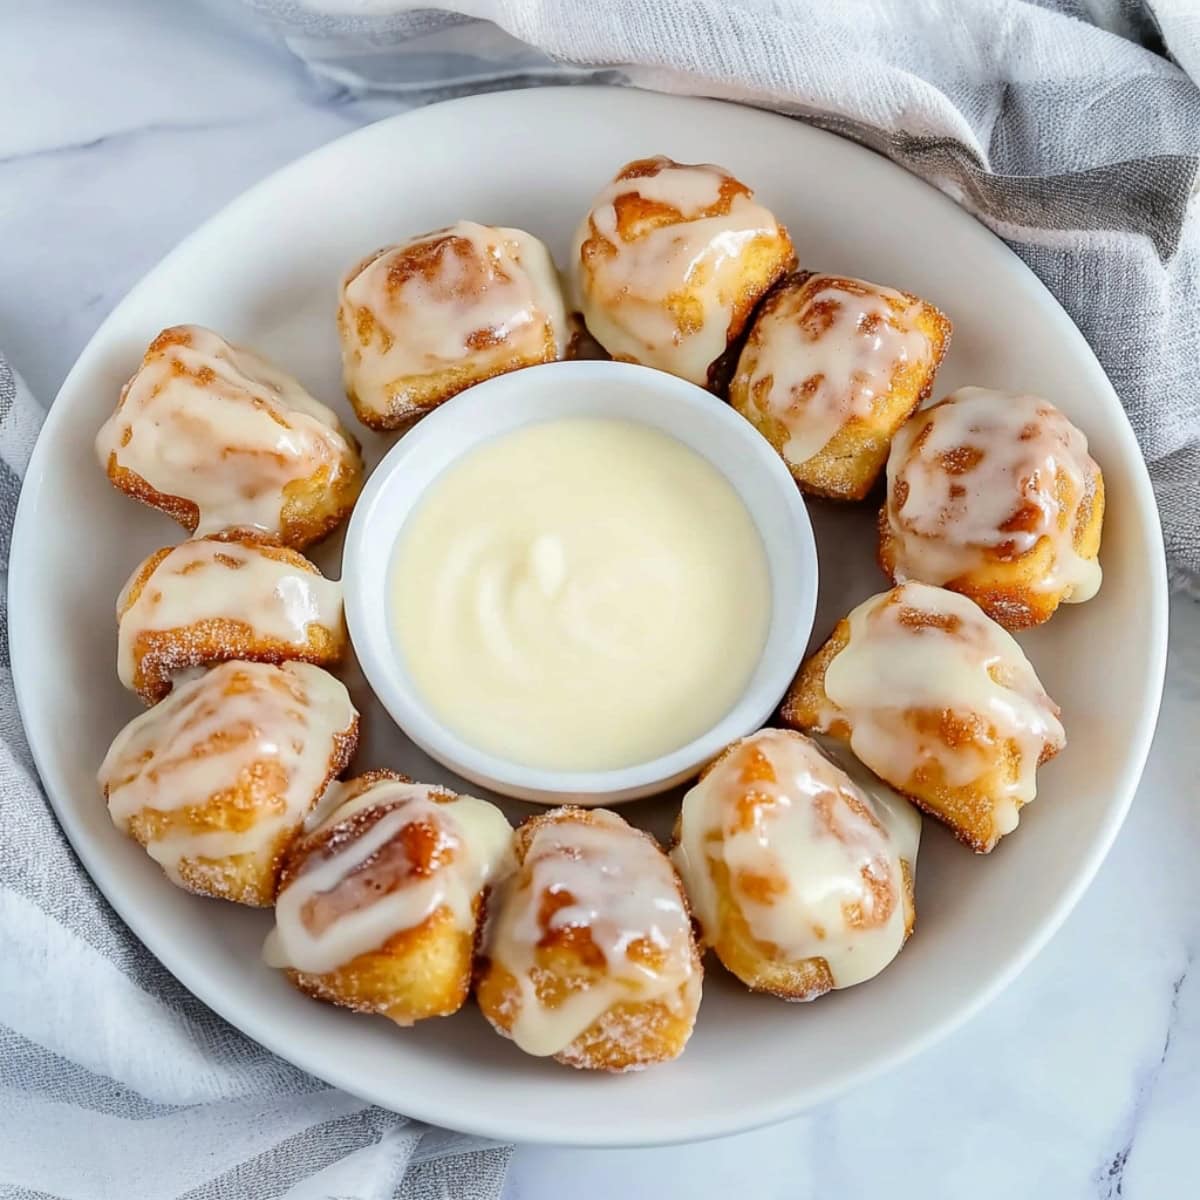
(579, 389)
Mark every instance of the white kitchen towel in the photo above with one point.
(115, 1082)
(1069, 127)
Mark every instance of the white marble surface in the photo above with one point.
(126, 124)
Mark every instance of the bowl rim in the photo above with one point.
(730, 443)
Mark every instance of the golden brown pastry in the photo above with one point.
(219, 598)
(829, 372)
(994, 494)
(421, 321)
(800, 877)
(589, 954)
(381, 896)
(939, 701)
(217, 437)
(670, 262)
(216, 779)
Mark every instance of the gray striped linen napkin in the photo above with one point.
(1071, 128)
(114, 1080)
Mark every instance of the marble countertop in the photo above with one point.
(127, 124)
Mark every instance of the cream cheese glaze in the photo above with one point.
(215, 733)
(775, 808)
(825, 352)
(920, 647)
(220, 426)
(990, 472)
(610, 610)
(632, 293)
(469, 294)
(206, 579)
(623, 891)
(324, 920)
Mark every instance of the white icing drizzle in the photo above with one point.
(211, 735)
(824, 352)
(893, 665)
(471, 295)
(239, 581)
(623, 891)
(830, 849)
(217, 424)
(472, 846)
(971, 464)
(626, 294)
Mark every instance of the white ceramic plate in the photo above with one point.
(264, 271)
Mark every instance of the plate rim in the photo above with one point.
(256, 1026)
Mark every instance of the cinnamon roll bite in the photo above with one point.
(382, 895)
(994, 494)
(939, 701)
(216, 779)
(220, 598)
(800, 877)
(589, 954)
(219, 438)
(830, 370)
(423, 320)
(670, 262)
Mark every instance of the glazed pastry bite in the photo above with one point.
(994, 494)
(381, 896)
(938, 700)
(421, 321)
(830, 370)
(220, 598)
(589, 954)
(216, 779)
(801, 879)
(217, 437)
(670, 262)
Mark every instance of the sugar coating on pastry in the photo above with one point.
(381, 896)
(670, 262)
(219, 438)
(219, 598)
(421, 321)
(831, 368)
(589, 953)
(215, 780)
(938, 700)
(800, 878)
(994, 494)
